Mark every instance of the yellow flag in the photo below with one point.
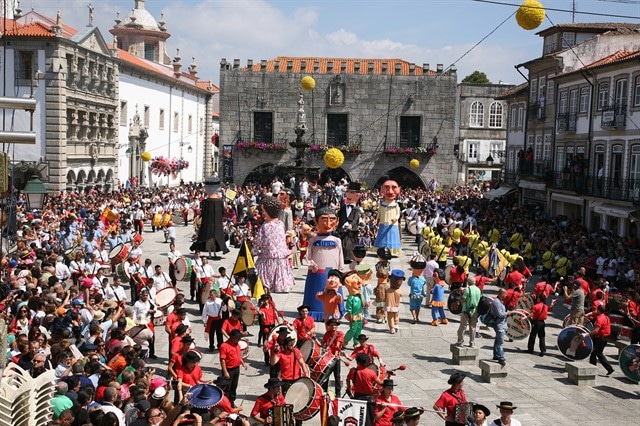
(245, 266)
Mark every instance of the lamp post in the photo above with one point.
(35, 192)
(489, 160)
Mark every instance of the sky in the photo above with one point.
(419, 31)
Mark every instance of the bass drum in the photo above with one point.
(413, 227)
(518, 325)
(292, 332)
(573, 345)
(425, 249)
(454, 303)
(306, 397)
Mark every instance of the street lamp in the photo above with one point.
(35, 192)
(189, 149)
(489, 160)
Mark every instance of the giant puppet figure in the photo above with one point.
(349, 217)
(389, 218)
(324, 253)
(211, 234)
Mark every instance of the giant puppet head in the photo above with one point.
(353, 194)
(352, 281)
(326, 220)
(285, 198)
(333, 280)
(390, 190)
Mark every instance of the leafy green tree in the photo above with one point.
(477, 77)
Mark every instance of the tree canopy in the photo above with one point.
(477, 77)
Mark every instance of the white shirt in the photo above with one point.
(135, 252)
(212, 308)
(161, 281)
(62, 271)
(141, 309)
(514, 422)
(173, 256)
(241, 290)
(207, 271)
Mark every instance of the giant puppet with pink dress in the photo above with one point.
(389, 219)
(323, 254)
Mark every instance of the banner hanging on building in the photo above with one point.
(227, 163)
(353, 412)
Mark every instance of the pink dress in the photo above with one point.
(272, 263)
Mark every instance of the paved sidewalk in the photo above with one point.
(537, 386)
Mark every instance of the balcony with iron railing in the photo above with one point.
(537, 110)
(609, 188)
(567, 121)
(534, 168)
(614, 116)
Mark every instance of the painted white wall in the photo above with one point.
(170, 142)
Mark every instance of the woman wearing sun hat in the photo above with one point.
(446, 404)
(506, 411)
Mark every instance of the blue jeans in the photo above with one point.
(438, 311)
(498, 343)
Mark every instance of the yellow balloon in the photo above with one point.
(414, 163)
(530, 14)
(333, 158)
(308, 83)
(145, 156)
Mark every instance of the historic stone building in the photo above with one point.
(100, 106)
(482, 121)
(381, 113)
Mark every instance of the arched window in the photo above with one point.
(495, 115)
(476, 118)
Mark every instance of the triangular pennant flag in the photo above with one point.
(245, 266)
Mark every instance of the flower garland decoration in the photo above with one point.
(530, 14)
(261, 146)
(414, 163)
(307, 83)
(333, 158)
(162, 166)
(145, 156)
(430, 152)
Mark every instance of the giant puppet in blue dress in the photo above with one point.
(389, 218)
(324, 253)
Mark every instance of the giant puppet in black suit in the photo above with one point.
(349, 217)
(211, 233)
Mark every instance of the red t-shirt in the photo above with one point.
(304, 327)
(363, 379)
(176, 344)
(231, 324)
(289, 364)
(338, 342)
(369, 350)
(231, 354)
(514, 277)
(448, 401)
(481, 280)
(539, 312)
(190, 378)
(172, 318)
(603, 324)
(543, 288)
(385, 420)
(264, 403)
(457, 277)
(269, 315)
(511, 298)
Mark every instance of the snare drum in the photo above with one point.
(244, 348)
(123, 274)
(248, 312)
(157, 220)
(159, 318)
(518, 325)
(306, 397)
(165, 297)
(119, 254)
(310, 351)
(184, 269)
(323, 366)
(137, 238)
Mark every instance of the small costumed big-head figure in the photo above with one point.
(334, 280)
(326, 220)
(417, 263)
(359, 252)
(390, 190)
(365, 272)
(352, 282)
(396, 278)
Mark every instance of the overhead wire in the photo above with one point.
(608, 15)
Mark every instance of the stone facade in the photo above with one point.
(374, 95)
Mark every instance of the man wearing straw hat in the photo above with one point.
(387, 404)
(506, 411)
(446, 404)
(265, 402)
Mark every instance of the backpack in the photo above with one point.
(488, 320)
(484, 305)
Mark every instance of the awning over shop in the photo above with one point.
(622, 212)
(498, 192)
(531, 184)
(571, 199)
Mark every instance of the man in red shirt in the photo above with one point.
(232, 323)
(584, 284)
(230, 362)
(225, 405)
(515, 277)
(304, 325)
(292, 366)
(387, 404)
(367, 349)
(538, 316)
(543, 287)
(273, 348)
(265, 402)
(361, 381)
(172, 318)
(446, 404)
(189, 373)
(268, 317)
(175, 362)
(458, 276)
(601, 330)
(511, 297)
(333, 341)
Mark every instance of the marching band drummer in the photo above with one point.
(265, 402)
(387, 404)
(136, 252)
(135, 276)
(366, 348)
(361, 381)
(446, 404)
(304, 325)
(195, 285)
(76, 267)
(333, 341)
(172, 256)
